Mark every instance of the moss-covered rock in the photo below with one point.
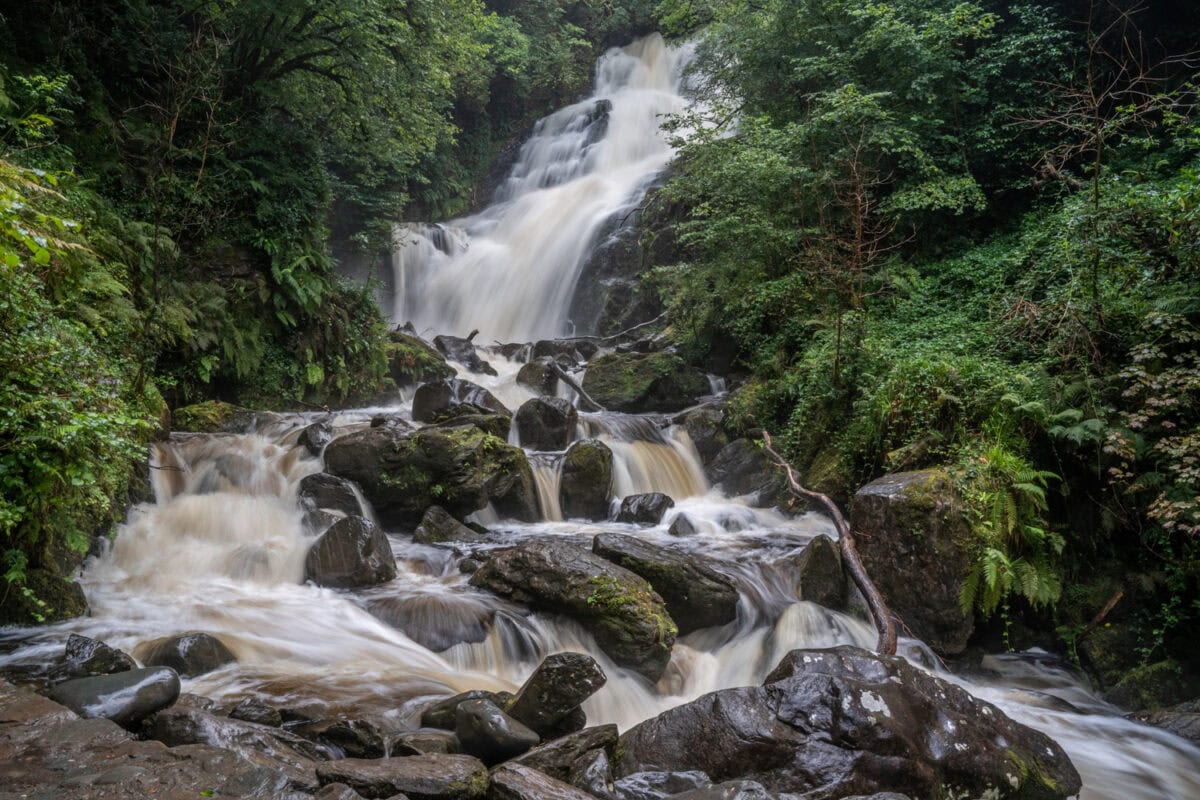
(211, 416)
(43, 596)
(643, 382)
(403, 473)
(915, 534)
(587, 474)
(411, 361)
(1158, 685)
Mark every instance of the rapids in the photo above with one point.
(221, 548)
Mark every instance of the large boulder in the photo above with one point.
(555, 690)
(587, 475)
(126, 698)
(448, 399)
(645, 509)
(546, 423)
(742, 467)
(463, 351)
(643, 382)
(189, 654)
(351, 554)
(462, 469)
(628, 619)
(838, 722)
(705, 426)
(539, 376)
(314, 437)
(322, 490)
(411, 360)
(819, 572)
(439, 525)
(697, 596)
(489, 734)
(425, 777)
(914, 533)
(86, 657)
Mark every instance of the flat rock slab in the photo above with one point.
(125, 697)
(426, 777)
(518, 782)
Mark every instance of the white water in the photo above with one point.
(221, 550)
(511, 271)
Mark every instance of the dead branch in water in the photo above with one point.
(884, 623)
(615, 336)
(584, 397)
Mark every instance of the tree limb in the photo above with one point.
(884, 623)
(584, 397)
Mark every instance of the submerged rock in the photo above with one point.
(353, 553)
(697, 596)
(682, 526)
(426, 777)
(645, 509)
(92, 657)
(630, 622)
(914, 533)
(189, 654)
(556, 689)
(587, 474)
(461, 469)
(489, 734)
(546, 423)
(126, 697)
(643, 382)
(830, 723)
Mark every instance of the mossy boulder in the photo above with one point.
(914, 533)
(211, 416)
(587, 475)
(643, 382)
(546, 423)
(628, 618)
(411, 361)
(1158, 685)
(462, 469)
(43, 596)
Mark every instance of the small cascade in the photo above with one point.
(547, 475)
(646, 458)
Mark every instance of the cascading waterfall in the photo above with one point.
(511, 271)
(221, 548)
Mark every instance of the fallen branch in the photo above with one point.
(1096, 620)
(584, 397)
(884, 623)
(615, 336)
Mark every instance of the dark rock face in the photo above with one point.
(558, 757)
(435, 402)
(519, 782)
(587, 473)
(682, 525)
(463, 351)
(351, 554)
(486, 732)
(1182, 720)
(461, 469)
(323, 490)
(539, 376)
(914, 533)
(435, 621)
(697, 596)
(92, 657)
(258, 712)
(742, 467)
(64, 597)
(411, 360)
(630, 622)
(556, 688)
(351, 738)
(643, 382)
(315, 437)
(438, 525)
(645, 509)
(829, 723)
(705, 426)
(819, 569)
(730, 790)
(422, 742)
(1163, 683)
(657, 784)
(189, 654)
(126, 698)
(427, 777)
(546, 423)
(444, 713)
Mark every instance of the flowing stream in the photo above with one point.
(221, 548)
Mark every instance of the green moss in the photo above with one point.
(206, 417)
(610, 595)
(411, 361)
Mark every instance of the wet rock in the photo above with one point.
(587, 471)
(258, 712)
(461, 469)
(1182, 720)
(337, 791)
(438, 525)
(486, 732)
(427, 777)
(914, 533)
(315, 437)
(546, 423)
(742, 468)
(593, 774)
(682, 525)
(630, 622)
(645, 509)
(126, 698)
(697, 596)
(519, 782)
(558, 757)
(86, 656)
(819, 571)
(411, 360)
(446, 399)
(189, 654)
(463, 351)
(539, 376)
(730, 790)
(1163, 683)
(318, 521)
(352, 738)
(705, 426)
(497, 425)
(435, 621)
(643, 382)
(444, 713)
(657, 784)
(351, 554)
(556, 688)
(323, 490)
(831, 722)
(422, 742)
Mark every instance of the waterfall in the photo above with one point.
(511, 270)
